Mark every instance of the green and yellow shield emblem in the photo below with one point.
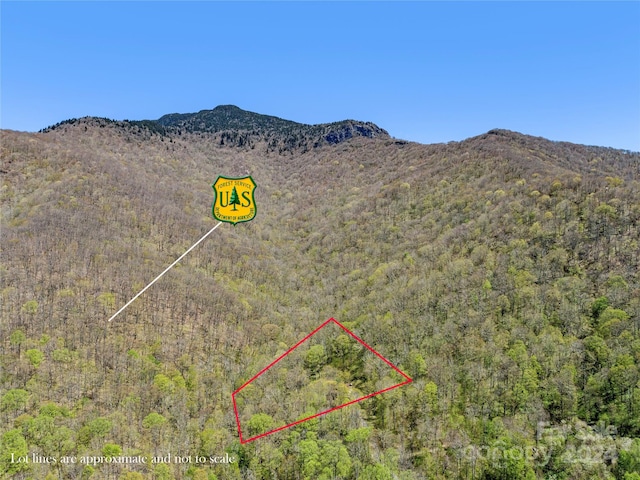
(234, 201)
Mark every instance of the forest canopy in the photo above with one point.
(500, 273)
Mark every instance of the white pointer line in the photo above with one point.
(165, 271)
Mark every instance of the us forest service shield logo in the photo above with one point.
(233, 201)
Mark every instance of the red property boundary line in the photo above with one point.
(358, 339)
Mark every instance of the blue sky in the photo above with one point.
(425, 71)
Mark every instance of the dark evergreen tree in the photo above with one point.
(235, 200)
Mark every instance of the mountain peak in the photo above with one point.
(240, 127)
(227, 108)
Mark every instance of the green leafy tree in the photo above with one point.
(598, 306)
(15, 399)
(358, 439)
(13, 443)
(55, 440)
(153, 420)
(341, 349)
(596, 352)
(35, 356)
(17, 338)
(163, 472)
(30, 307)
(429, 395)
(315, 359)
(310, 458)
(259, 423)
(335, 459)
(416, 365)
(163, 383)
(111, 450)
(155, 423)
(87, 472)
(97, 428)
(211, 441)
(610, 321)
(628, 461)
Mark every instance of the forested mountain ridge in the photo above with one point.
(500, 272)
(237, 127)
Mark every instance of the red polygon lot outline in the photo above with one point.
(353, 335)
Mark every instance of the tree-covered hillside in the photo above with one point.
(500, 273)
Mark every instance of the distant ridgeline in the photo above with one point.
(233, 126)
